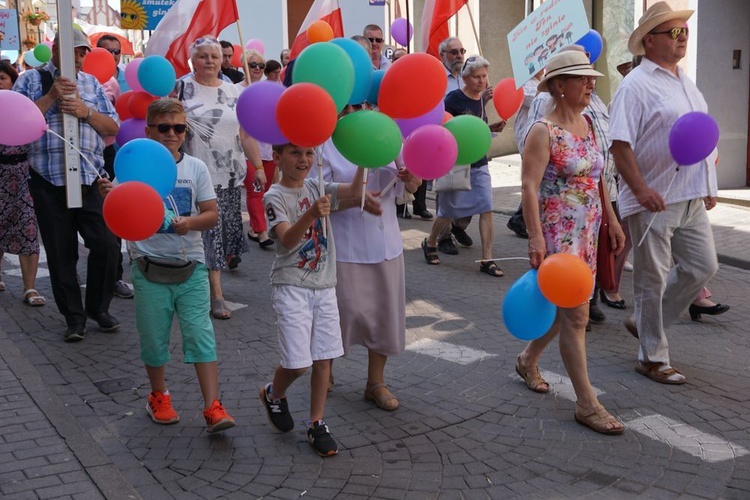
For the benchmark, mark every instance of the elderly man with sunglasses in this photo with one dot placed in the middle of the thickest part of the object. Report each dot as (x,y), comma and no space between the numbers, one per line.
(374,34)
(672,201)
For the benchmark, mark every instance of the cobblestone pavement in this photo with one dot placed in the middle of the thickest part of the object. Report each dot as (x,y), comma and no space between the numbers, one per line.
(73,423)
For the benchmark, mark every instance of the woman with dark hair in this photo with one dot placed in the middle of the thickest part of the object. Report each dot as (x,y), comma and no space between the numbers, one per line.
(18,226)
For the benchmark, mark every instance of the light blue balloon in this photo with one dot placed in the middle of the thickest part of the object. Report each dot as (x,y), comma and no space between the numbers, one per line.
(362,68)
(156,75)
(377,77)
(526,313)
(32,61)
(147,161)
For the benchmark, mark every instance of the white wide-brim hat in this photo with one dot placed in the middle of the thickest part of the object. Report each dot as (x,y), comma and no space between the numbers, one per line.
(658,13)
(570,62)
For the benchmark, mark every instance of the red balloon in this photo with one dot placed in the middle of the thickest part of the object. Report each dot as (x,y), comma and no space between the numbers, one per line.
(306,115)
(99,63)
(446,117)
(507,98)
(412,86)
(121,105)
(237,56)
(133,211)
(565,280)
(138,104)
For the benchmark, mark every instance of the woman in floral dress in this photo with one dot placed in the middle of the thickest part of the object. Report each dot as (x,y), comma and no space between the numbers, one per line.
(560,196)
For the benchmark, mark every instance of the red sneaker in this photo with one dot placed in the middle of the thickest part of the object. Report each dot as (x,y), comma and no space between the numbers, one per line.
(217,418)
(159,408)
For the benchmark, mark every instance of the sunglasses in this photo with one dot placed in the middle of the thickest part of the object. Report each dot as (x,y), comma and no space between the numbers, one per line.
(455,52)
(114,52)
(206,40)
(373,40)
(163,128)
(469,60)
(674,33)
(257,65)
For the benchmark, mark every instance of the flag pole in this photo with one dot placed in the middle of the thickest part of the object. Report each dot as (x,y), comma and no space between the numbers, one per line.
(408,27)
(474,28)
(242,44)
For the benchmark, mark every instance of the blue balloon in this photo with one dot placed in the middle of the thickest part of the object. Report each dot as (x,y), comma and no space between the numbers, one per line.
(156,75)
(362,68)
(592,42)
(526,313)
(147,161)
(377,77)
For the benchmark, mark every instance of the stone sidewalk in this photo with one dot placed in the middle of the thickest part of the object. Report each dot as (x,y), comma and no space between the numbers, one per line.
(73,423)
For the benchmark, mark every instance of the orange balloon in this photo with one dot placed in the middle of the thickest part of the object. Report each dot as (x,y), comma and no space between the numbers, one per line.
(319,31)
(565,280)
(99,63)
(133,211)
(446,117)
(507,98)
(138,104)
(121,105)
(306,114)
(412,86)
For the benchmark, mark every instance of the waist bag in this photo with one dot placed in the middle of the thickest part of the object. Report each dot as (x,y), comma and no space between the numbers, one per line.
(165,271)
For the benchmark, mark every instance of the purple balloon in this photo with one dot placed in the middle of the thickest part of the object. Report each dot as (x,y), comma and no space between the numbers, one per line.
(402,31)
(132,128)
(409,125)
(256,111)
(693,137)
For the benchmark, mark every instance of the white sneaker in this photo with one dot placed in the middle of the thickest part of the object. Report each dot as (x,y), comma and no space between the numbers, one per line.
(628,267)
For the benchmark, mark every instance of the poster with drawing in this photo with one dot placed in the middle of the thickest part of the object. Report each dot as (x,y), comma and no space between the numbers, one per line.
(9,39)
(553,25)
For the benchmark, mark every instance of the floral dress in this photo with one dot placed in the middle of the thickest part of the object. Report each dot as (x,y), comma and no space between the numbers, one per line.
(569,203)
(18,226)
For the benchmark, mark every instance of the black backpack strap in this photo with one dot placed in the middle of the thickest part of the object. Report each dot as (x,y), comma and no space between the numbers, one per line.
(47,80)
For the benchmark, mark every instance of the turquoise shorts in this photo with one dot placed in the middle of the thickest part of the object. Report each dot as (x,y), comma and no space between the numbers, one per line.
(155,307)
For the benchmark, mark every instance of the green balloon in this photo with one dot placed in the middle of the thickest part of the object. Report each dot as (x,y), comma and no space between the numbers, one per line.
(42,53)
(326,65)
(473,137)
(367,138)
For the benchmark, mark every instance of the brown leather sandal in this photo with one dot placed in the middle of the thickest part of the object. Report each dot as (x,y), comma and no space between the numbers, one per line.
(599,420)
(383,399)
(532,377)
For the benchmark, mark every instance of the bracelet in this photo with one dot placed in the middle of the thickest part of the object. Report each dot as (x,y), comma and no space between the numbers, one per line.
(87,116)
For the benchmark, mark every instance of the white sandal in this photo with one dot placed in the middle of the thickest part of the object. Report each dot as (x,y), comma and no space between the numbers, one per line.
(33,300)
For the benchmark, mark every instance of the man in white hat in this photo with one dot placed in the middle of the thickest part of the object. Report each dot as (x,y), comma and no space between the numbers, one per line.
(646,105)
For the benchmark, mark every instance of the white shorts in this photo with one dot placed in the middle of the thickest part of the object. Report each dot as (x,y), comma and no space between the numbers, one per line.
(308,322)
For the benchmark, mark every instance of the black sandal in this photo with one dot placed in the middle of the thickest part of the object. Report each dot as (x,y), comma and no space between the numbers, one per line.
(430,254)
(489,267)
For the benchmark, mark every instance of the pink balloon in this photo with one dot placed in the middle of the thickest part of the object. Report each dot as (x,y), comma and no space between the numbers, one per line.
(131,74)
(430,151)
(48,44)
(255,44)
(27,123)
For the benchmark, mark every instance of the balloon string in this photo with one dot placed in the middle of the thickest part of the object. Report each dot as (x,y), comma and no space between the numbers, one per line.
(364,190)
(504,258)
(79,152)
(388,187)
(653,218)
(322,187)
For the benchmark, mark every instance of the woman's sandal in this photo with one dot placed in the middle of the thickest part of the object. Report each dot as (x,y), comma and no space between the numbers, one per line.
(383,399)
(430,254)
(491,268)
(32,298)
(233,261)
(599,419)
(219,309)
(532,377)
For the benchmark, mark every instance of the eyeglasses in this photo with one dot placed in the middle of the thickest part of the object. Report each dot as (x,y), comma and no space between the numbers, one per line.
(373,40)
(584,79)
(163,128)
(674,33)
(257,65)
(114,52)
(455,52)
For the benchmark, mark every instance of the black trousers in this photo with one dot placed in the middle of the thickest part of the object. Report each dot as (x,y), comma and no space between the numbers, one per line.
(419,205)
(109,154)
(59,227)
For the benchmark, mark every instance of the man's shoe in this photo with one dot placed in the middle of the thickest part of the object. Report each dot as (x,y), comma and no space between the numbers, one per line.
(159,408)
(75,333)
(321,440)
(518,228)
(595,314)
(106,322)
(426,215)
(461,237)
(277,410)
(217,418)
(402,212)
(122,290)
(447,246)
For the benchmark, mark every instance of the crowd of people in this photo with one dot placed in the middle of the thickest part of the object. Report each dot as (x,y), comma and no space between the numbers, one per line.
(580,160)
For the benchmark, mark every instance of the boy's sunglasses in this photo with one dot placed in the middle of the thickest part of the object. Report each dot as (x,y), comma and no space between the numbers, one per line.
(674,33)
(163,128)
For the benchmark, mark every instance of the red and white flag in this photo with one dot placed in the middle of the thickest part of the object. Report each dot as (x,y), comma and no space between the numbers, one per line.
(321,10)
(435,22)
(186,21)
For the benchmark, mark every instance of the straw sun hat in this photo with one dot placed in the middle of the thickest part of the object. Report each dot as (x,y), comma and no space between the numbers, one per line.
(658,13)
(570,62)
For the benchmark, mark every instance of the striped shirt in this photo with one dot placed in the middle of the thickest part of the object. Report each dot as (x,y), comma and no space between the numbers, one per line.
(47,154)
(521,125)
(645,106)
